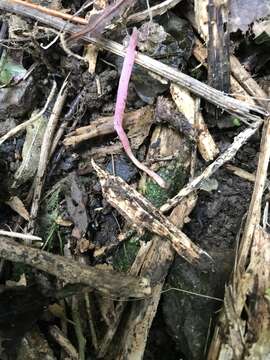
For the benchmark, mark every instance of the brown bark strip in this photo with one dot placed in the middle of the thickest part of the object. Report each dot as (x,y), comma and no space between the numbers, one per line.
(218,45)
(141,213)
(109,282)
(104,125)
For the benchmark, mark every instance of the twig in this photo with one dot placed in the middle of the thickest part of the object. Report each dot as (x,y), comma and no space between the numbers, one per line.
(247,82)
(61,339)
(156,10)
(45,152)
(243,174)
(70,271)
(24,125)
(51,12)
(239,108)
(17,235)
(104,18)
(238,142)
(3,33)
(254,212)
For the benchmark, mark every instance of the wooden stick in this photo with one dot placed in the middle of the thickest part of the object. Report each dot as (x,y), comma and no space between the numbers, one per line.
(70,271)
(156,10)
(52,12)
(233,106)
(254,212)
(238,142)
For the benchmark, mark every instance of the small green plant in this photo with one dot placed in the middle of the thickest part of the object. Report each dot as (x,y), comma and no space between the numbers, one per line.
(48,228)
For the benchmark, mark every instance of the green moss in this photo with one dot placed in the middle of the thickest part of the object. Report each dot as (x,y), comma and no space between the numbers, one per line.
(47,219)
(173,175)
(126,254)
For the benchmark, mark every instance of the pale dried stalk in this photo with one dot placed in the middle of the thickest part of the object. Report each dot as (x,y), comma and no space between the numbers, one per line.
(236,107)
(22,236)
(254,212)
(45,152)
(238,142)
(243,174)
(156,10)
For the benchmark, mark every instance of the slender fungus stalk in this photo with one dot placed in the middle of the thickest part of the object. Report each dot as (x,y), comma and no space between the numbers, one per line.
(121,104)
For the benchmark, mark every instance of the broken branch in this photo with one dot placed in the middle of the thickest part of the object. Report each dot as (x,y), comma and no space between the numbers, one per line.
(70,271)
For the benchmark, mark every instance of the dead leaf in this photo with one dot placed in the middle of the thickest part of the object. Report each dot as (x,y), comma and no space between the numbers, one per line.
(17,205)
(31,151)
(76,199)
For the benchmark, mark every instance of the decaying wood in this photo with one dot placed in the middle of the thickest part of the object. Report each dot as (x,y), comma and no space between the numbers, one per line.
(250,278)
(153,260)
(228,154)
(156,266)
(242,82)
(201,17)
(141,118)
(187,105)
(218,45)
(239,108)
(65,344)
(200,53)
(158,258)
(141,213)
(254,212)
(247,338)
(16,204)
(120,307)
(108,282)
